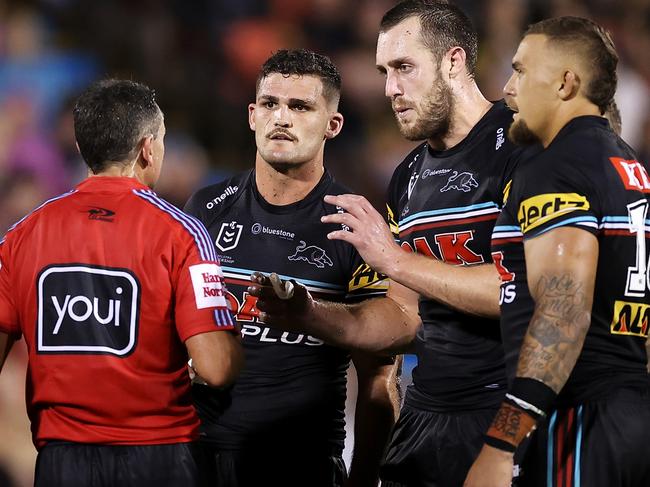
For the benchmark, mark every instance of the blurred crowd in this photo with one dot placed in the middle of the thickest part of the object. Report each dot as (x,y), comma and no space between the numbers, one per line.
(202,58)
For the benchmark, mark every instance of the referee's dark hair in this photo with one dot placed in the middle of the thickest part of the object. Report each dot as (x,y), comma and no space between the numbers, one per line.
(110,120)
(596,48)
(443,26)
(303,62)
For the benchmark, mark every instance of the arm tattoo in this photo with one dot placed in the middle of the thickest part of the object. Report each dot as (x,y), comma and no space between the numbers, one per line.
(556,331)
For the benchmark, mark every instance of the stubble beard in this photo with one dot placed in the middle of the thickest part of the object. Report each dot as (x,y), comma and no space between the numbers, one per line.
(521,134)
(435,121)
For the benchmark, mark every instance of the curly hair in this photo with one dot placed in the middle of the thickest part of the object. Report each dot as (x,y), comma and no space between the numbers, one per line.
(304,62)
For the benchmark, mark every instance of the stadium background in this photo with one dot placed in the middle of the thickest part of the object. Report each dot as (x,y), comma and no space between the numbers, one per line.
(202,57)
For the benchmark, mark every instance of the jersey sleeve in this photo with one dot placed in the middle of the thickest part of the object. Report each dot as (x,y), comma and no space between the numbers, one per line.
(8,313)
(553,192)
(200,298)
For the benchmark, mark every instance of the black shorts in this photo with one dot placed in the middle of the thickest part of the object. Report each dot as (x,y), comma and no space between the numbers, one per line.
(62,464)
(602,443)
(430,449)
(270,468)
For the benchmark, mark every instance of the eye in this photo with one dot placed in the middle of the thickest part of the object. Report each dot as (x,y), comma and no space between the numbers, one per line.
(269,104)
(405,68)
(300,108)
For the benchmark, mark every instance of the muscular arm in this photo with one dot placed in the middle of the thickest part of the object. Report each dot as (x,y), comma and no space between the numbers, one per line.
(561,272)
(217,357)
(6,342)
(470,289)
(376,410)
(386,325)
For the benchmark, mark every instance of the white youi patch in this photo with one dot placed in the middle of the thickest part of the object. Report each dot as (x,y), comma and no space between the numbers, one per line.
(208,290)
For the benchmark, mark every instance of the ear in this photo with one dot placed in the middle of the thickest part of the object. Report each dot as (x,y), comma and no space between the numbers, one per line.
(251,116)
(570,85)
(146,152)
(334,125)
(456,59)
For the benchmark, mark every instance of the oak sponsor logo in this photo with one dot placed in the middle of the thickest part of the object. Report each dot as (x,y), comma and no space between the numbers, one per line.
(87,309)
(229,191)
(508,290)
(543,208)
(252,328)
(207,280)
(630,319)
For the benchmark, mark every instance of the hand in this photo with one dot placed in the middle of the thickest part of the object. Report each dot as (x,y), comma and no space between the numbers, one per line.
(492,468)
(369,233)
(281,303)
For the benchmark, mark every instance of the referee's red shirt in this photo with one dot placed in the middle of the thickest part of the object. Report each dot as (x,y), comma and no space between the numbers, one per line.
(106,282)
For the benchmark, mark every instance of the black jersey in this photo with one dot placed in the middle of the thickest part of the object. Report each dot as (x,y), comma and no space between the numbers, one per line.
(292,389)
(587,178)
(444,204)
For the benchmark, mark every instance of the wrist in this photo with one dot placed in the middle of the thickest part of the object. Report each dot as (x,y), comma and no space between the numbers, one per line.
(527,401)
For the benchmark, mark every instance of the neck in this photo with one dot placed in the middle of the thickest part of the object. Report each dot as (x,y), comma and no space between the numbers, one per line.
(290,186)
(116,170)
(469,107)
(564,114)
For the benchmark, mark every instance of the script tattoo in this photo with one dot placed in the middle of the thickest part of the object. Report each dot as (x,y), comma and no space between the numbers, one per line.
(556,331)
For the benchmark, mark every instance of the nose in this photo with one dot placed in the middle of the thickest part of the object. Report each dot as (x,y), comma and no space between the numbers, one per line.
(509,88)
(393,87)
(282,116)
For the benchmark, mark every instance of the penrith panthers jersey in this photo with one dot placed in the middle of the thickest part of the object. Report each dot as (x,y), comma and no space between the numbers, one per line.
(587,178)
(443,204)
(293,386)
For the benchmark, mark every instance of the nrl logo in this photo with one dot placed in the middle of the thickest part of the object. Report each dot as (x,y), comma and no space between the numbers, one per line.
(228,237)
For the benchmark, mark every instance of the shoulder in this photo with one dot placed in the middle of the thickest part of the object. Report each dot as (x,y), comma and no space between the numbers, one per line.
(211,198)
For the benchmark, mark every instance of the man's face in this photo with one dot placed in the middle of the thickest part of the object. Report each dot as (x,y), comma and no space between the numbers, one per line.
(421,99)
(291,119)
(531,90)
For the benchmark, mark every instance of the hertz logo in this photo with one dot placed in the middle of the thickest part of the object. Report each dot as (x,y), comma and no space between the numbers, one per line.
(543,208)
(630,319)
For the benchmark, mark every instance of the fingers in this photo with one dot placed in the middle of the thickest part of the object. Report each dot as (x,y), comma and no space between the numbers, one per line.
(354,204)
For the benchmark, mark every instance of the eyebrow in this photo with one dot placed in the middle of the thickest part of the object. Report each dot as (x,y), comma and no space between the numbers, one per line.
(292,101)
(394,63)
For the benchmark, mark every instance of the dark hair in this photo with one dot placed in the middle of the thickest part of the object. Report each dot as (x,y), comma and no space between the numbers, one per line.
(594,45)
(442,25)
(304,62)
(110,119)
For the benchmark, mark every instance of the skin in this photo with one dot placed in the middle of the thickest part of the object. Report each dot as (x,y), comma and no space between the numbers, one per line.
(561,264)
(292,119)
(389,324)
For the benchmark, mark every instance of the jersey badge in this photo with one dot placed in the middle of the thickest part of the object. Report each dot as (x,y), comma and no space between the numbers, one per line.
(312,255)
(228,236)
(463,181)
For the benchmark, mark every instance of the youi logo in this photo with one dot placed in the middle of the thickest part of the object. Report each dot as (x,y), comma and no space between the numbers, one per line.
(87,309)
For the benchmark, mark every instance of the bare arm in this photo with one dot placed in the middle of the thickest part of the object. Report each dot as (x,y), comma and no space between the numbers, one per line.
(217,357)
(376,411)
(561,272)
(387,324)
(6,342)
(470,289)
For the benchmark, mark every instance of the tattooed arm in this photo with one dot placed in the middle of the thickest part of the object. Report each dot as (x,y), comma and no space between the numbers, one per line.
(561,273)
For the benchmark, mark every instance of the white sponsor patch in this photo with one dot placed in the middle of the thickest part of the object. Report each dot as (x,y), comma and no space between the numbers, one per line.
(208,291)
